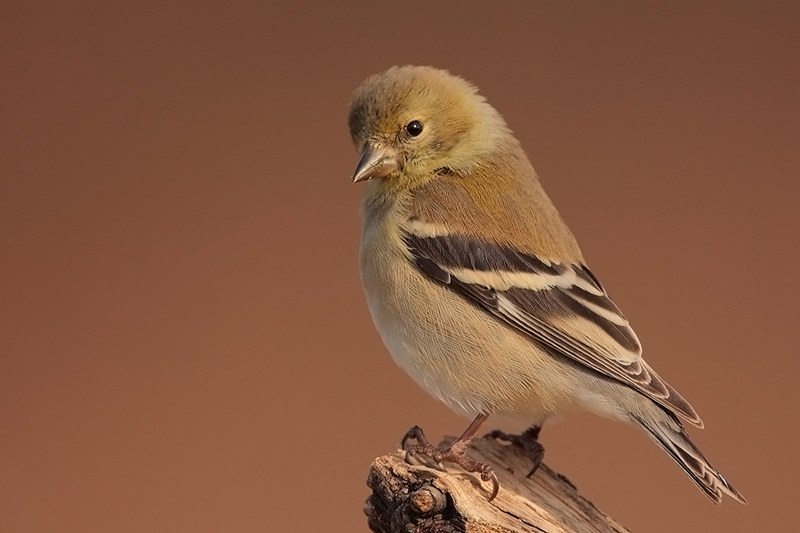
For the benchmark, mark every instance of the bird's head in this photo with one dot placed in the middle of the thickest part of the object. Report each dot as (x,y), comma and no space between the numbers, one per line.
(411,123)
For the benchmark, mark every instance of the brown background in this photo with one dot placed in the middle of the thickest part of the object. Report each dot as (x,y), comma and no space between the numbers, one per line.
(185,345)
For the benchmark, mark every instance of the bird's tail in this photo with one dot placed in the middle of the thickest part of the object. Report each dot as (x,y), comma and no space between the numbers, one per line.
(677,444)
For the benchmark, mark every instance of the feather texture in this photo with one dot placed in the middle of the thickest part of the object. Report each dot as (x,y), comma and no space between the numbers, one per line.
(476,284)
(561,306)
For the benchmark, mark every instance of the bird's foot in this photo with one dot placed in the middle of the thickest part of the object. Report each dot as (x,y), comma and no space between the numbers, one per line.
(455,453)
(527,441)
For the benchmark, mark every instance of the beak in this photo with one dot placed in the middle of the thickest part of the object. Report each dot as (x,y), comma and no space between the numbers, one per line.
(375,162)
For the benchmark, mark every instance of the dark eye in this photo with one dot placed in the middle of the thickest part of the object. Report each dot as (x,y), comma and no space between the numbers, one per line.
(414,128)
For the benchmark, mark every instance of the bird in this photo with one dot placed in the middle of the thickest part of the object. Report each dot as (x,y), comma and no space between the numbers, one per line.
(478,288)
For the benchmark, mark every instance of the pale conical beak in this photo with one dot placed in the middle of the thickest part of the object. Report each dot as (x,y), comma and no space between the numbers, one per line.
(375,162)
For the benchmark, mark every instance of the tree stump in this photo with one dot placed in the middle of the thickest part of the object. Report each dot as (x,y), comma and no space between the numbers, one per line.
(426,498)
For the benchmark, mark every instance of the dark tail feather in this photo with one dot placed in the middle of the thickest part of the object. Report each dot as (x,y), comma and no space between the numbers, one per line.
(678,445)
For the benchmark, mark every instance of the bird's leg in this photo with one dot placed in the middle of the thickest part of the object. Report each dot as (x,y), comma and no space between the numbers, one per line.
(528,440)
(455,453)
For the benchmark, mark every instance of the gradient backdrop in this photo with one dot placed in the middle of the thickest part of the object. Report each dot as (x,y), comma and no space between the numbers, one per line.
(184,345)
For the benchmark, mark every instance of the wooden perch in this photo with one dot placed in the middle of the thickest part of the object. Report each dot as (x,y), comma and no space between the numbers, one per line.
(425,498)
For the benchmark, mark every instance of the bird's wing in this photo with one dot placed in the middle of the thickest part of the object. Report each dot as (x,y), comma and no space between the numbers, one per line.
(562,306)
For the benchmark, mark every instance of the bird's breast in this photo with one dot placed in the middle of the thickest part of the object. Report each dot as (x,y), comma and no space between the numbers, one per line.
(457,352)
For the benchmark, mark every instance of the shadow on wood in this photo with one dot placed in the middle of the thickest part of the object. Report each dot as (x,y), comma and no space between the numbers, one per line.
(425,498)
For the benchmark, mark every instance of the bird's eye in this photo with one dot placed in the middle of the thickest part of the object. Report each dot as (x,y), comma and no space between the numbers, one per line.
(414,128)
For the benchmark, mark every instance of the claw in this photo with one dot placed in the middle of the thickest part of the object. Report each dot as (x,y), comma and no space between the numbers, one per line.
(413,433)
(455,453)
(489,475)
(409,455)
(527,440)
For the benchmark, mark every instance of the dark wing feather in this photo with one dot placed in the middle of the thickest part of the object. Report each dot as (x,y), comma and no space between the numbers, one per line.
(546,308)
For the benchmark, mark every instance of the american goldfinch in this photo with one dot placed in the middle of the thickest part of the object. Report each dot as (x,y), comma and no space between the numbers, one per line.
(479,289)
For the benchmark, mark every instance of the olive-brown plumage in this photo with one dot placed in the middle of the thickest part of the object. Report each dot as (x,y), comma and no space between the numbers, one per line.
(477,286)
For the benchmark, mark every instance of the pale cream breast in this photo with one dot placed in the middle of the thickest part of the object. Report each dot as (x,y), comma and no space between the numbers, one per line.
(457,352)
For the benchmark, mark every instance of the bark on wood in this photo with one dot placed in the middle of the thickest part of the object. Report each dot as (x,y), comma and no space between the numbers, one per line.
(426,498)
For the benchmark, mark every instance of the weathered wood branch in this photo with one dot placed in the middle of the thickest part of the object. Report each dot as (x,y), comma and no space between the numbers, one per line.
(425,498)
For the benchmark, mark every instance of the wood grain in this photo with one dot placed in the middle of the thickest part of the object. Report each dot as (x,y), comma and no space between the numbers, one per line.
(423,497)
